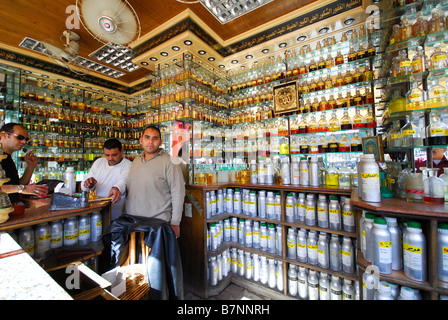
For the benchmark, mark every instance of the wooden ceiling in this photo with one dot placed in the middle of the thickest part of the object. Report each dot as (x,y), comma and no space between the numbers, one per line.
(44,20)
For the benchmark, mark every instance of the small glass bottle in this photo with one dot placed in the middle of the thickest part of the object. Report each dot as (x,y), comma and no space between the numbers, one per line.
(312,125)
(322,144)
(339,80)
(331,103)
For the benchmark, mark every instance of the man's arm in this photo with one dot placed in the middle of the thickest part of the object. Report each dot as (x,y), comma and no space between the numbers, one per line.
(177,187)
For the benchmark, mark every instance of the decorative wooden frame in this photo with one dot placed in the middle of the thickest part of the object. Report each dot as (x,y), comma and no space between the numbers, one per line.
(373,145)
(285,98)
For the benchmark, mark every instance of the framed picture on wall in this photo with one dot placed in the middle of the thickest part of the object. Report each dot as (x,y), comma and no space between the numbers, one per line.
(285,98)
(373,145)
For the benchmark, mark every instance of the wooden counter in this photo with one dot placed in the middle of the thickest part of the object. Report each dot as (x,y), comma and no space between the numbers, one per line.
(38,212)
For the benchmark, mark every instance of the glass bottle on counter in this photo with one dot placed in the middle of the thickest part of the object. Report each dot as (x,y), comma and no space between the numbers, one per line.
(436,131)
(436,94)
(444,177)
(411,135)
(434,187)
(322,124)
(420,26)
(331,177)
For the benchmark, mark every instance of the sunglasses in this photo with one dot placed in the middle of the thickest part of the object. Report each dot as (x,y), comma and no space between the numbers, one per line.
(19,136)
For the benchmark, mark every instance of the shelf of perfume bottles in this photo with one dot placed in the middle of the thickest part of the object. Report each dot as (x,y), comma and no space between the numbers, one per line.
(330,55)
(184,69)
(74,99)
(417,25)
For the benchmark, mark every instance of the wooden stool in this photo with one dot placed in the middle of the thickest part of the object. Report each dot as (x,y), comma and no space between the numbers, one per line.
(137,287)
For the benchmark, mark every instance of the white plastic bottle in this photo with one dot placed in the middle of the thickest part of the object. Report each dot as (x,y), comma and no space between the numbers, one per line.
(383,292)
(213,271)
(256,265)
(289,208)
(271,238)
(286,171)
(442,252)
(279,240)
(295,171)
(304,174)
(397,245)
(370,179)
(70,179)
(263,237)
(335,253)
(270,205)
(348,216)
(279,276)
(248,234)
(335,288)
(278,206)
(322,211)
(310,210)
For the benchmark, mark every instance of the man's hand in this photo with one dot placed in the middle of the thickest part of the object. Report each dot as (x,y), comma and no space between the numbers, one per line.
(90,182)
(176,230)
(115,194)
(31,159)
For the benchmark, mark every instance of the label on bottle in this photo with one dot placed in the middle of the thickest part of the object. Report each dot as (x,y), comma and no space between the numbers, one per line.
(396,136)
(439,57)
(408,132)
(415,96)
(405,63)
(385,251)
(437,132)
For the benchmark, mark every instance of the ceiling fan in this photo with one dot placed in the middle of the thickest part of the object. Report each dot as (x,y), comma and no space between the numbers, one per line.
(109,21)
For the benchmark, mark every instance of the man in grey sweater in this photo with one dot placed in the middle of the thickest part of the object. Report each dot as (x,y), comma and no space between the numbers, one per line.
(156,187)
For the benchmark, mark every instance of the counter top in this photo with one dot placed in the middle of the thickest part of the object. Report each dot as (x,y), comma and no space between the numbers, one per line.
(22,278)
(402,207)
(38,212)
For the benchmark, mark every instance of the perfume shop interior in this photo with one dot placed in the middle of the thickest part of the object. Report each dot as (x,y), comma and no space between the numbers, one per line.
(312,137)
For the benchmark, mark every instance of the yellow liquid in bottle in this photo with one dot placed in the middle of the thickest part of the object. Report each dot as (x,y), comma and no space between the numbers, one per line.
(331,179)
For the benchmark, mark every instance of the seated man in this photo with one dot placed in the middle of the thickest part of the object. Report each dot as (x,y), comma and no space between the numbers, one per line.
(439,160)
(109,175)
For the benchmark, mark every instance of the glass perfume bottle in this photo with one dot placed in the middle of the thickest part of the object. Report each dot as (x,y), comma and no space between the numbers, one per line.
(358,120)
(312,125)
(333,144)
(411,136)
(415,97)
(344,144)
(322,144)
(334,122)
(419,61)
(438,58)
(437,21)
(434,187)
(436,131)
(346,122)
(420,26)
(436,94)
(322,124)
(355,143)
(395,137)
(331,103)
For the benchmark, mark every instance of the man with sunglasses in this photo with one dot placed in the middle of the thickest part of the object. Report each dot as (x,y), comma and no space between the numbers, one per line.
(13,137)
